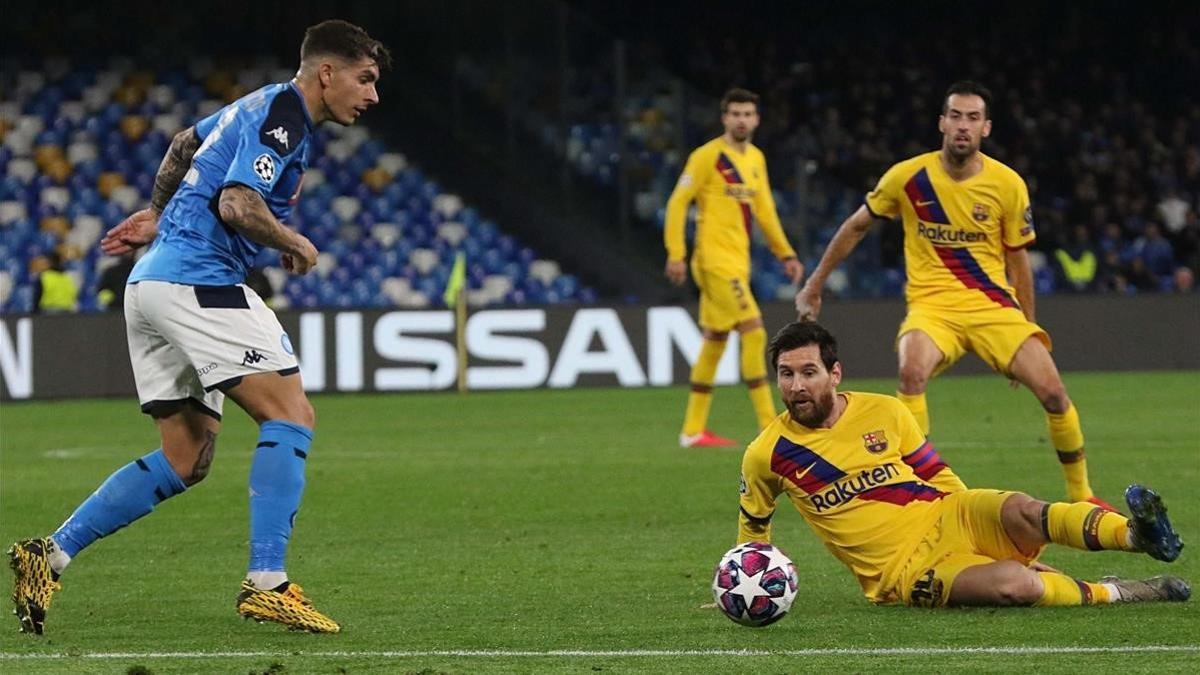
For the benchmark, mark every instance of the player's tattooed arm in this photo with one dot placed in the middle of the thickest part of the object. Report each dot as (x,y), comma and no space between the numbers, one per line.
(174,165)
(244,209)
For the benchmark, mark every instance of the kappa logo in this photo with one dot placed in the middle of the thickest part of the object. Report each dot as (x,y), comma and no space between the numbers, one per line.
(252,357)
(280,134)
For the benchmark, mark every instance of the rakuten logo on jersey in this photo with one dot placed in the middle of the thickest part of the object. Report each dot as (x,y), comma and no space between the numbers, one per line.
(846,489)
(944,235)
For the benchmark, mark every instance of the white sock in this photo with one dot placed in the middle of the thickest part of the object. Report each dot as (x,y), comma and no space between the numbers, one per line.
(57,557)
(1114,593)
(267,580)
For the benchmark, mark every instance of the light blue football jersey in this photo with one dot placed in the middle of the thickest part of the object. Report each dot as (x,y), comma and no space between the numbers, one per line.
(260,141)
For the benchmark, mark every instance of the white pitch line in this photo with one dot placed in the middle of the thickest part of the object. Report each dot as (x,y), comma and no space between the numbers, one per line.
(572,653)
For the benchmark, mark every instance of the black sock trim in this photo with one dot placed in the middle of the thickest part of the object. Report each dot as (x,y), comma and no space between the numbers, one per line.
(1046,521)
(755,519)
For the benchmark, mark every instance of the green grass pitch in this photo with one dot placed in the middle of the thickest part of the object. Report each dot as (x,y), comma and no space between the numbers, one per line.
(564,531)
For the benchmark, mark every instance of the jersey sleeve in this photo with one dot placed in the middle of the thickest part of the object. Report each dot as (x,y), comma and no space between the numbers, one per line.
(254,165)
(205,126)
(1018,217)
(918,452)
(768,219)
(695,172)
(267,144)
(759,489)
(884,200)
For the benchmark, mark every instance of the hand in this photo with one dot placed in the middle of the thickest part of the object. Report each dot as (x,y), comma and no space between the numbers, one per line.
(302,257)
(1039,566)
(794,269)
(131,234)
(808,303)
(676,271)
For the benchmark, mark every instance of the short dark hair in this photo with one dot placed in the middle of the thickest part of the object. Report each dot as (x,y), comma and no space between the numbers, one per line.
(738,95)
(342,38)
(969,88)
(801,334)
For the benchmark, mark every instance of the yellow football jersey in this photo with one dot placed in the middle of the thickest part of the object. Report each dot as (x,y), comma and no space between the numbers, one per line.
(867,486)
(731,191)
(955,232)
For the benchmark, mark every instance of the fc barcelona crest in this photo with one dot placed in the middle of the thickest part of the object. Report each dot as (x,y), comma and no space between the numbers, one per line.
(875,442)
(980,212)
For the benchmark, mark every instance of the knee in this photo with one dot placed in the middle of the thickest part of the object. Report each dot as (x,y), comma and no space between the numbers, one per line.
(913,379)
(1021,516)
(1054,399)
(716,335)
(1019,587)
(306,415)
(297,410)
(192,459)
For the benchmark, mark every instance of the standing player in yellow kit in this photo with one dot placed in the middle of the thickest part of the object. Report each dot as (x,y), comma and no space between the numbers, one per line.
(967,223)
(727,178)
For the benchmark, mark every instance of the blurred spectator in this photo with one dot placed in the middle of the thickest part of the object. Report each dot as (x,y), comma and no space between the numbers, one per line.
(110,292)
(1077,262)
(54,291)
(1156,252)
(1139,278)
(1185,280)
(1173,210)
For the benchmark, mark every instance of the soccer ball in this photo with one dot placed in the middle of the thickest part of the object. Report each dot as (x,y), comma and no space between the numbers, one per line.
(755,584)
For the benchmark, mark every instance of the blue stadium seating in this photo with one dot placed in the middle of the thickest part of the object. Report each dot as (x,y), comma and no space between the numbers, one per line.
(79,154)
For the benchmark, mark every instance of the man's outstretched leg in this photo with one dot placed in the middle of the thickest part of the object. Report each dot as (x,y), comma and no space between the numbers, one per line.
(1031,524)
(189,434)
(286,422)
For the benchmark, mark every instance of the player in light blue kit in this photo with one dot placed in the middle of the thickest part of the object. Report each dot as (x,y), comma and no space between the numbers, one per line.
(197,333)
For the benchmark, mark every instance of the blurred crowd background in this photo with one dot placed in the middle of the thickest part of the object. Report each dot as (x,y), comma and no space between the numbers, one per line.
(542,138)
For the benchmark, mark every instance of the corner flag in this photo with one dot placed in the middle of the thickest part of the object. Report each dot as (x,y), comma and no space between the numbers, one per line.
(458,275)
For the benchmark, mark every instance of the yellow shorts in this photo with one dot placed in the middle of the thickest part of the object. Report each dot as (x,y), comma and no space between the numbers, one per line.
(725,301)
(993,334)
(969,533)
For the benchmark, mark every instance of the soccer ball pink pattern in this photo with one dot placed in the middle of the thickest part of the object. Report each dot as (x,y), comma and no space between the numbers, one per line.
(755,584)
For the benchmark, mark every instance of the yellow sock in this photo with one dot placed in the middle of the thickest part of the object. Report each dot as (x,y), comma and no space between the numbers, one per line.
(916,405)
(1067,437)
(1085,526)
(754,373)
(763,401)
(1060,589)
(700,398)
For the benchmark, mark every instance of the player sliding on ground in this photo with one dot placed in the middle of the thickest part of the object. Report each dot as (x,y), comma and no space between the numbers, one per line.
(967,225)
(876,493)
(197,333)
